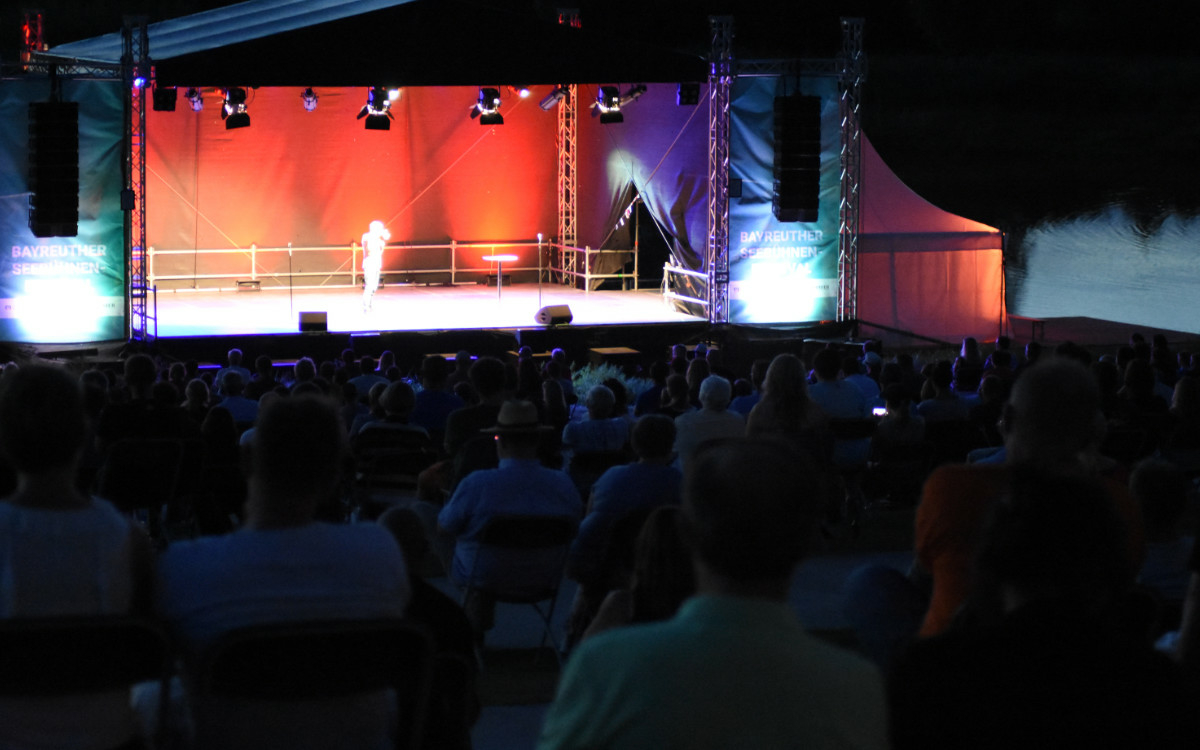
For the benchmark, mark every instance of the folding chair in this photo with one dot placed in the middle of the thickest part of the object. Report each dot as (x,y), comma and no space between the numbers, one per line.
(523,558)
(62,656)
(304,661)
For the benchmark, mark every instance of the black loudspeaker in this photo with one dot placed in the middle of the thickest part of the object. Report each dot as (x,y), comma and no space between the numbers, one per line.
(554,315)
(54,169)
(797,158)
(314,322)
(164,99)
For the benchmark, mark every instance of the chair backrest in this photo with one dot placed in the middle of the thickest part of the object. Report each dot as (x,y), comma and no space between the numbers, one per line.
(71,655)
(387,457)
(329,659)
(521,558)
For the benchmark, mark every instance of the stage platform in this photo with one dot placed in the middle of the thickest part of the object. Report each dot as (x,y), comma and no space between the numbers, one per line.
(186,313)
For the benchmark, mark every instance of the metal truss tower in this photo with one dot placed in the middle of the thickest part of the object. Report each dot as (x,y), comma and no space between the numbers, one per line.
(720,79)
(565,139)
(135,64)
(852,71)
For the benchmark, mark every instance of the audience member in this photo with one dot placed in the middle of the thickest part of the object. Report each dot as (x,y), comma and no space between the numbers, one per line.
(62,554)
(733,668)
(712,421)
(284,567)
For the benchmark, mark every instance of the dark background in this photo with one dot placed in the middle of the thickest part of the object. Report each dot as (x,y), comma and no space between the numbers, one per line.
(1010,113)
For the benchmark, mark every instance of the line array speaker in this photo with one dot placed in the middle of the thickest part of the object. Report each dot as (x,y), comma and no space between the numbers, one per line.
(797,158)
(54,169)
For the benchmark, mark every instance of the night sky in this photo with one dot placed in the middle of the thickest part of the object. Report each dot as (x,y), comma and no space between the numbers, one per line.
(1008,114)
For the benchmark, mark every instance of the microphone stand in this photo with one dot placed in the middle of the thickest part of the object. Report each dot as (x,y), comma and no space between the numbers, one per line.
(539,270)
(291,306)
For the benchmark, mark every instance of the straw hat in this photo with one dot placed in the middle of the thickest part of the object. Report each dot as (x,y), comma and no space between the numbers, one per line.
(517,417)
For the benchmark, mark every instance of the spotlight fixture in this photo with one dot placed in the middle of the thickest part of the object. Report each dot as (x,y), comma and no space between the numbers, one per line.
(377,110)
(309,97)
(632,94)
(487,109)
(608,105)
(194,98)
(164,99)
(234,110)
(553,98)
(521,91)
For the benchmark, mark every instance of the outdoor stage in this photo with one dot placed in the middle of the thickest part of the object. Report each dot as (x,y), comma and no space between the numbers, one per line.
(186,313)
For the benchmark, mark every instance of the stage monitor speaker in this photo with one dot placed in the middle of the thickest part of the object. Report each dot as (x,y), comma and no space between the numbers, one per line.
(54,169)
(314,322)
(554,315)
(797,193)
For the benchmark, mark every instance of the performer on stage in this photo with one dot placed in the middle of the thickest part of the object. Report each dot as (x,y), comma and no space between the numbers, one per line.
(373,242)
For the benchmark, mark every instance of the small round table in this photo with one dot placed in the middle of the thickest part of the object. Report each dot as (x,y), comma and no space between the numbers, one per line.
(499,260)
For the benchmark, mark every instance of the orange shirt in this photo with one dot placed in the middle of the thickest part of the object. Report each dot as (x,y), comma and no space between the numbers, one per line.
(954,508)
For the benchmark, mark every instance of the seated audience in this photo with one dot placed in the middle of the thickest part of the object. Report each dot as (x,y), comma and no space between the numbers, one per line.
(62,554)
(282,566)
(1044,654)
(712,421)
(733,668)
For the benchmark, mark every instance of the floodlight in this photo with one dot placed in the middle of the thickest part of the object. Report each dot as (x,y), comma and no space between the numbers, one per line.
(553,98)
(487,109)
(377,110)
(193,97)
(234,110)
(309,97)
(608,105)
(521,91)
(632,94)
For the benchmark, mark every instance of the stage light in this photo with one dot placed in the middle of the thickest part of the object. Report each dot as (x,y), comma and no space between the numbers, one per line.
(233,112)
(608,105)
(487,109)
(632,94)
(377,110)
(309,97)
(193,97)
(393,94)
(139,81)
(165,98)
(520,91)
(553,98)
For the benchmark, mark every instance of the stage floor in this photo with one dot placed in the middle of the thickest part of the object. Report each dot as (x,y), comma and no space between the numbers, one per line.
(402,308)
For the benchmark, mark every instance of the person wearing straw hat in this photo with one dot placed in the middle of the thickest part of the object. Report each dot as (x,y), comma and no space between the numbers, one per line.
(519,486)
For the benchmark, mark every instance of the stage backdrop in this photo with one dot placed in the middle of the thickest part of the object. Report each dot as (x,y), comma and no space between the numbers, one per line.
(780,272)
(63,289)
(319,178)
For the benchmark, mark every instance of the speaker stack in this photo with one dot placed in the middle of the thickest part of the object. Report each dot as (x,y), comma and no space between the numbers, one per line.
(54,169)
(797,158)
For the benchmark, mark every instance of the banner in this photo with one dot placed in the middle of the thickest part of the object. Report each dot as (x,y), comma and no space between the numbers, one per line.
(63,289)
(780,272)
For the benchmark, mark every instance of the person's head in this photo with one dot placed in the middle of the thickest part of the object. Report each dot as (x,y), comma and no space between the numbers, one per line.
(715,393)
(518,430)
(697,371)
(304,369)
(653,437)
(751,507)
(826,363)
(41,419)
(487,377)
(599,402)
(1054,537)
(969,349)
(140,373)
(233,384)
(942,375)
(659,371)
(898,400)
(434,372)
(1033,350)
(851,366)
(196,392)
(677,390)
(1052,415)
(377,229)
(620,395)
(1185,400)
(296,460)
(786,379)
(662,566)
(1139,379)
(375,397)
(758,372)
(264,366)
(366,364)
(234,356)
(398,399)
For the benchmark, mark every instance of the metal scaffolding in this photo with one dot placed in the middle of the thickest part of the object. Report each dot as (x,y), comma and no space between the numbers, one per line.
(720,79)
(850,78)
(565,139)
(135,64)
